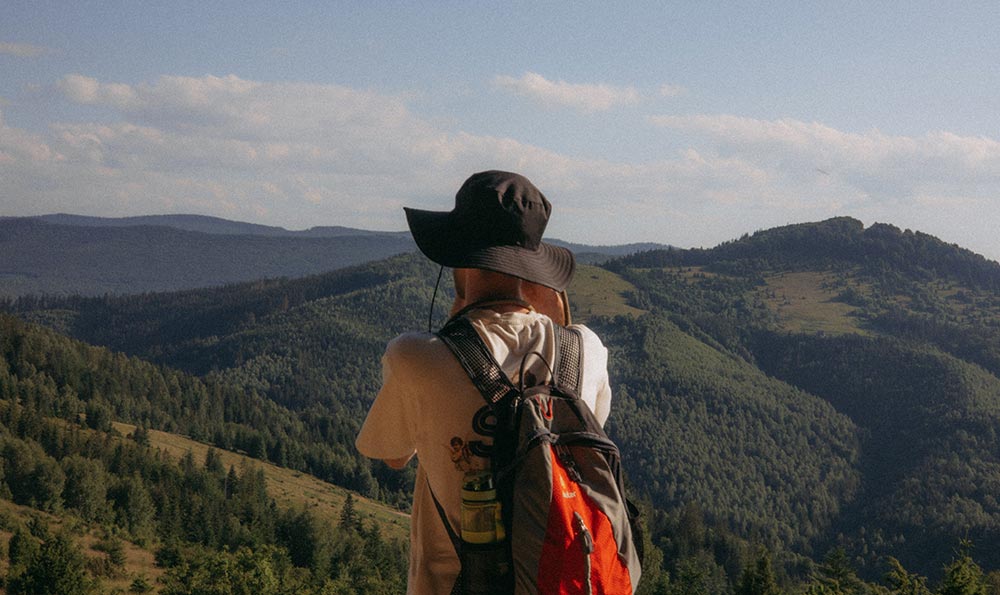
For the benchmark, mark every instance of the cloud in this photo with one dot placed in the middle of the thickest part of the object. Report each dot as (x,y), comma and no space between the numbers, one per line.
(298,155)
(939,182)
(877,165)
(18,145)
(586,98)
(23,50)
(308,154)
(305,154)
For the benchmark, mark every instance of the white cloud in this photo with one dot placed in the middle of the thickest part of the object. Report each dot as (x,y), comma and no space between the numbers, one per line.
(86,90)
(18,145)
(321,154)
(881,166)
(304,154)
(23,50)
(587,98)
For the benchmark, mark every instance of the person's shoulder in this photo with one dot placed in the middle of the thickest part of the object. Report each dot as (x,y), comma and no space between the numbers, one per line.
(414,346)
(589,336)
(411,341)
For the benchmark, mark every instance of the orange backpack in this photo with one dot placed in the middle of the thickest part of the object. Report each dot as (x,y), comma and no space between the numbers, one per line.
(568,525)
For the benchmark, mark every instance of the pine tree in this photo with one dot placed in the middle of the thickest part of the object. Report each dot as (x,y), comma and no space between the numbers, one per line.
(901,582)
(758,578)
(963,576)
(136,511)
(22,548)
(213,462)
(58,568)
(349,518)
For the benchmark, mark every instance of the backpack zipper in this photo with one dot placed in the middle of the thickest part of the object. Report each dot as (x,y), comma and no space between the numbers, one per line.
(586,541)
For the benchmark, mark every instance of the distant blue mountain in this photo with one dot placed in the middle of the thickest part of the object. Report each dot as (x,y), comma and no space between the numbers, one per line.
(65,254)
(206,224)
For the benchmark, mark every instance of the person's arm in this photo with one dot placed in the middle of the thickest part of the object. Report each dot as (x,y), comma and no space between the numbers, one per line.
(399,463)
(387,433)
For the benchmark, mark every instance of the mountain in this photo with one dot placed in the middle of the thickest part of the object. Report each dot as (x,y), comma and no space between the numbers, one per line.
(69,472)
(45,258)
(896,331)
(807,388)
(205,224)
(76,255)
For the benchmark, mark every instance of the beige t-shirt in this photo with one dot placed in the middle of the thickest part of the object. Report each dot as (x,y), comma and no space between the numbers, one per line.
(428,405)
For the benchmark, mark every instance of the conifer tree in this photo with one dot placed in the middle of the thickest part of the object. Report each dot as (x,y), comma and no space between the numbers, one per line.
(963,576)
(902,582)
(57,568)
(22,548)
(86,486)
(136,511)
(349,515)
(213,462)
(758,577)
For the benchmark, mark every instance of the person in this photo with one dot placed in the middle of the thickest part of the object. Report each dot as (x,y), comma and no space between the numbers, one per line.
(427,406)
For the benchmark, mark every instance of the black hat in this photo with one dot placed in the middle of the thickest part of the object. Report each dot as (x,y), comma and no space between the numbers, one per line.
(497,225)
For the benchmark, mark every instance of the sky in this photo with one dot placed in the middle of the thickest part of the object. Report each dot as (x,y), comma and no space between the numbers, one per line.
(684,123)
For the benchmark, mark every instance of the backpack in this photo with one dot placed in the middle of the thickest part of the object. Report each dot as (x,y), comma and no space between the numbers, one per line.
(558,477)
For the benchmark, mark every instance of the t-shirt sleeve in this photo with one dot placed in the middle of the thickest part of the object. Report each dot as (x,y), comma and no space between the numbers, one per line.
(389,431)
(595,367)
(603,403)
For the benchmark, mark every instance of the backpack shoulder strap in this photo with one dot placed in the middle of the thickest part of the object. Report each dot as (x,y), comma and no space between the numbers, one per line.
(569,359)
(484,371)
(477,360)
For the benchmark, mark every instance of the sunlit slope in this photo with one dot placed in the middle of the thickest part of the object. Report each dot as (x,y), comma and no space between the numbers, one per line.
(598,292)
(139,561)
(289,488)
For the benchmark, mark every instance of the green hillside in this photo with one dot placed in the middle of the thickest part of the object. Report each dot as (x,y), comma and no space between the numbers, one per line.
(289,488)
(698,425)
(895,330)
(77,482)
(827,391)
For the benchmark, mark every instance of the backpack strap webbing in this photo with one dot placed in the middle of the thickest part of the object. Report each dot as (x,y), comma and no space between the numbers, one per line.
(568,367)
(477,360)
(482,368)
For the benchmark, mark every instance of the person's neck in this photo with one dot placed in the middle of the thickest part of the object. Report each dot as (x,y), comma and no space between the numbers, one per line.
(500,304)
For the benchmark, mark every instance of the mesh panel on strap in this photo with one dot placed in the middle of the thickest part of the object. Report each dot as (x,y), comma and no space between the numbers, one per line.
(569,358)
(477,360)
(484,371)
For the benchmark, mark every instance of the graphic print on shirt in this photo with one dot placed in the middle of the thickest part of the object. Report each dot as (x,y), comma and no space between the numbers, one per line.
(474,454)
(461,455)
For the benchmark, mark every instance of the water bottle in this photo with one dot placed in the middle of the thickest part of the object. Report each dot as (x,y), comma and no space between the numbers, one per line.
(482,521)
(485,555)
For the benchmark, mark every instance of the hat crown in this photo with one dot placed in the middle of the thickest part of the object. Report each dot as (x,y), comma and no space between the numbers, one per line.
(497,225)
(502,209)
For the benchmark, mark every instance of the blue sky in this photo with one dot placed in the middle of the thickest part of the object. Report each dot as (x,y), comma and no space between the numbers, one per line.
(687,123)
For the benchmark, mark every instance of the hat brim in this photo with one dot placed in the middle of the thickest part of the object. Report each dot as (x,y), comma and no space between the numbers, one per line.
(440,239)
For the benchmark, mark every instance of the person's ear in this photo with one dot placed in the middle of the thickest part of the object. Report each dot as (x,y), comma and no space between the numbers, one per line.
(461,277)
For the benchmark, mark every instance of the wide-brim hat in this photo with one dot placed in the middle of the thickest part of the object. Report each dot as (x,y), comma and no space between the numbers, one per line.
(497,225)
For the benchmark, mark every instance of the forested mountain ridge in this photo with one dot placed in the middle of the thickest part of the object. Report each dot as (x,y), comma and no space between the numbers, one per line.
(37,257)
(782,387)
(879,249)
(896,330)
(93,256)
(205,224)
(210,529)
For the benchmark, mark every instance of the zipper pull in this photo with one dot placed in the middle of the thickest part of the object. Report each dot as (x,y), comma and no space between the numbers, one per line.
(583,534)
(587,545)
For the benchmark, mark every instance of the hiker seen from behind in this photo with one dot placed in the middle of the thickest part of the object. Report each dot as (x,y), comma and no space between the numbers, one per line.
(518,489)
